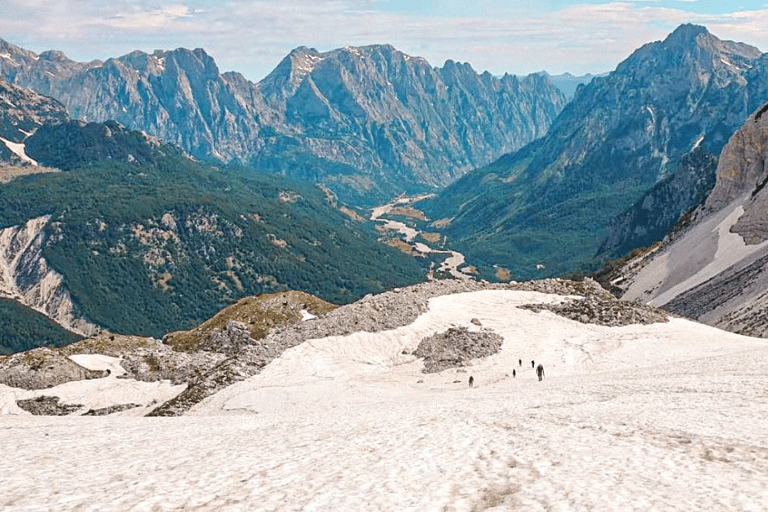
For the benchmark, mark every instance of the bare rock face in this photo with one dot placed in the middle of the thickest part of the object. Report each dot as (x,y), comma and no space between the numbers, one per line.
(389,121)
(741,169)
(23,110)
(742,172)
(727,233)
(26,276)
(47,406)
(456,347)
(554,201)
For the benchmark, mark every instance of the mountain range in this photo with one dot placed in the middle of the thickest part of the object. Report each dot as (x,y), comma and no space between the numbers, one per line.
(645,136)
(123,221)
(369,122)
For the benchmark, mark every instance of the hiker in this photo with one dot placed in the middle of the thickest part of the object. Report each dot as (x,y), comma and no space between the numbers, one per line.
(533,364)
(540,372)
(513,373)
(471,381)
(520,362)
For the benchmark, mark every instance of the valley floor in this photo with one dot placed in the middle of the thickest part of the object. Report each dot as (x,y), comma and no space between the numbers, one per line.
(662,417)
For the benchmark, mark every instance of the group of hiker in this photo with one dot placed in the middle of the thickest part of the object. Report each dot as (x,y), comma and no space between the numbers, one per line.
(539,372)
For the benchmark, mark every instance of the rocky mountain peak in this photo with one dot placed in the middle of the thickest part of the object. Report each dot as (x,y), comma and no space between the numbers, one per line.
(22,112)
(54,56)
(290,72)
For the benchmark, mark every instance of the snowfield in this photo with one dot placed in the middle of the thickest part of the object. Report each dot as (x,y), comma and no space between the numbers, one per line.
(662,417)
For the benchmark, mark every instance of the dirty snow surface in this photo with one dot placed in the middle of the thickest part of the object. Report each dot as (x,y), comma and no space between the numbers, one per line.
(669,416)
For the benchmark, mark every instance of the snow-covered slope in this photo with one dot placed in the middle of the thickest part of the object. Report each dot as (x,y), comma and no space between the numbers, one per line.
(667,416)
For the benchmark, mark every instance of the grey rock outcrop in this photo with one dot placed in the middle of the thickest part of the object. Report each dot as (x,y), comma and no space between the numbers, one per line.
(47,406)
(456,347)
(22,111)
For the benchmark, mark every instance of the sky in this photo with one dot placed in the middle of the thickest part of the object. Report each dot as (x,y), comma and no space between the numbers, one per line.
(576,36)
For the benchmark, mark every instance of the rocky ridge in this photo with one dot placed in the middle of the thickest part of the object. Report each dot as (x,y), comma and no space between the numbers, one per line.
(728,234)
(368,122)
(375,313)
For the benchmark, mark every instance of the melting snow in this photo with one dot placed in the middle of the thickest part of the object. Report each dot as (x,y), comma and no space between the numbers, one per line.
(306,315)
(661,417)
(18,149)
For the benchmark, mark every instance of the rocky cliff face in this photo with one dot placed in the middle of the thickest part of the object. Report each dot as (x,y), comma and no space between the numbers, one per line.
(652,216)
(26,277)
(715,269)
(22,112)
(368,122)
(552,202)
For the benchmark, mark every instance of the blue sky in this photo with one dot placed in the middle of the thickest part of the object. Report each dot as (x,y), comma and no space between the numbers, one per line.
(499,36)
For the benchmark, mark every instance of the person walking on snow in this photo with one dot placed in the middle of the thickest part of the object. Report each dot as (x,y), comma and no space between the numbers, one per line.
(540,372)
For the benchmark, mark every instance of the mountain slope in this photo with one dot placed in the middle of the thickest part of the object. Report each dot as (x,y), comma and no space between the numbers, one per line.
(368,122)
(716,268)
(136,237)
(356,409)
(552,202)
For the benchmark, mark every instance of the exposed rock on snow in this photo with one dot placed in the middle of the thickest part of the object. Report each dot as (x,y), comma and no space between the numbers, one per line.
(104,411)
(594,310)
(42,368)
(456,347)
(47,406)
(217,357)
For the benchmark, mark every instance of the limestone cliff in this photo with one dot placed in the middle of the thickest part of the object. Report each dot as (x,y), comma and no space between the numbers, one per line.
(26,277)
(715,268)
(368,122)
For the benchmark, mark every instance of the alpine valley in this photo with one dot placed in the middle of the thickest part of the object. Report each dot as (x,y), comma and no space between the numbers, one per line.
(632,152)
(328,273)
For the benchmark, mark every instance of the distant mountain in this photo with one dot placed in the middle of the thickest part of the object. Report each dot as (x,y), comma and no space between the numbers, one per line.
(136,237)
(568,83)
(548,208)
(715,267)
(367,122)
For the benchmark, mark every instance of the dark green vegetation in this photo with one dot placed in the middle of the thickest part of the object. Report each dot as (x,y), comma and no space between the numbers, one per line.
(621,163)
(23,328)
(150,241)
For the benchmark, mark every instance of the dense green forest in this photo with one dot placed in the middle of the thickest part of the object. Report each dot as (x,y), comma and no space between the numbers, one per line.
(150,241)
(23,328)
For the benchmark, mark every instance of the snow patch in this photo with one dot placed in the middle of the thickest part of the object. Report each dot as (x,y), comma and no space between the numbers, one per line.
(657,417)
(98,362)
(17,148)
